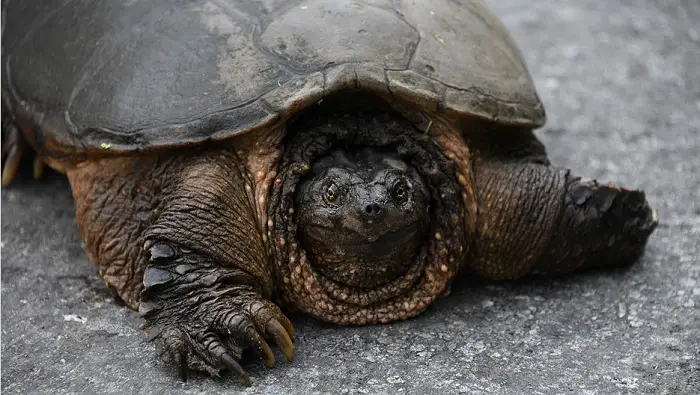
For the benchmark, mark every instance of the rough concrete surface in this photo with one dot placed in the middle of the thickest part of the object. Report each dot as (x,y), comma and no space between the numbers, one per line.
(621,83)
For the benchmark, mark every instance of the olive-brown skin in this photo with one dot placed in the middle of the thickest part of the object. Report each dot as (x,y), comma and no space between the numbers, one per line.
(185,156)
(160,225)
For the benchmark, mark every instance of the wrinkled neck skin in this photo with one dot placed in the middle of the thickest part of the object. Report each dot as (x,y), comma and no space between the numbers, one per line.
(367,219)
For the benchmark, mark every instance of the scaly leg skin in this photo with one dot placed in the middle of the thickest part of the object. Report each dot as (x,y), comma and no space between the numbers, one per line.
(14,147)
(176,236)
(207,314)
(538,219)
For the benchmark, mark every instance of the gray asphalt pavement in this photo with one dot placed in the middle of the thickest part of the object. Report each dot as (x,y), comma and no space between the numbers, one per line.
(621,83)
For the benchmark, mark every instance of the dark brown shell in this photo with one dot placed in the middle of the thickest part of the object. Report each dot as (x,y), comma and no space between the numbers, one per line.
(130,75)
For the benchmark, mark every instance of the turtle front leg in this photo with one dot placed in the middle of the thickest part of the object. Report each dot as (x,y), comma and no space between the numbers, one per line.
(176,236)
(538,219)
(205,314)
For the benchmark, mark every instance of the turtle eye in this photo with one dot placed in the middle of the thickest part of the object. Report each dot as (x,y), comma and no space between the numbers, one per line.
(331,193)
(400,192)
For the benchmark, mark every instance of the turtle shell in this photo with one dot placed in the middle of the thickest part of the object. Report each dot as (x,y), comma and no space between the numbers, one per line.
(130,75)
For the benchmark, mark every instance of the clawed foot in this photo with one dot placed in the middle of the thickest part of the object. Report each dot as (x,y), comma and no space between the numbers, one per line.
(205,317)
(14,148)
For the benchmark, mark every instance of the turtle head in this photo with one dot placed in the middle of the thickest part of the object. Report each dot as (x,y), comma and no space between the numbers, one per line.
(362,216)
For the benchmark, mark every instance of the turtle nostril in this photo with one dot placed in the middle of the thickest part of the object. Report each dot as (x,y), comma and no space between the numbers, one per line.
(373,210)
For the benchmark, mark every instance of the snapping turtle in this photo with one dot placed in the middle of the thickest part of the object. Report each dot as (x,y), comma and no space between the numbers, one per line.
(346,159)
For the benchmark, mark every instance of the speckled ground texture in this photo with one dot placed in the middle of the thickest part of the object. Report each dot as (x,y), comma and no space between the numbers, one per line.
(621,83)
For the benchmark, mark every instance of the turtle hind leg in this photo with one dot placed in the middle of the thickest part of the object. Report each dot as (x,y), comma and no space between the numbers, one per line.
(14,150)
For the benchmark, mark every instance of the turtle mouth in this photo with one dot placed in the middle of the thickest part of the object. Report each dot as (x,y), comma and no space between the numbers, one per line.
(363,238)
(362,261)
(364,297)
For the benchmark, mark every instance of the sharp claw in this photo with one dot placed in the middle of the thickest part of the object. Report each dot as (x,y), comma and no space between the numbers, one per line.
(279,334)
(38,167)
(287,326)
(260,347)
(181,362)
(234,367)
(9,170)
(266,354)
